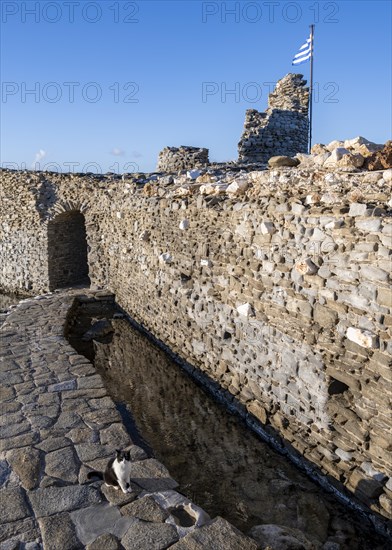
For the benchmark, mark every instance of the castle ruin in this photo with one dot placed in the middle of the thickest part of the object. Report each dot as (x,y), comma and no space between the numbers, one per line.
(283,128)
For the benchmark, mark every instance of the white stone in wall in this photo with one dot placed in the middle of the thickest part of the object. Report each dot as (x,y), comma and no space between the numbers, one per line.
(306,267)
(312,198)
(331,179)
(331,198)
(213,189)
(165,258)
(335,224)
(184,224)
(144,235)
(363,338)
(182,192)
(296,276)
(198,347)
(205,262)
(367,467)
(317,235)
(267,228)
(207,189)
(357,209)
(373,273)
(310,376)
(246,310)
(369,225)
(238,187)
(387,175)
(180,179)
(297,208)
(258,252)
(343,455)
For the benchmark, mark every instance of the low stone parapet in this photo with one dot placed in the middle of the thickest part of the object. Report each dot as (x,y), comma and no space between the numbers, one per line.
(175,159)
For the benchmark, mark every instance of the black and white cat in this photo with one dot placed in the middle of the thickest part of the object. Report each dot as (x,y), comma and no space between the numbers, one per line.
(117,473)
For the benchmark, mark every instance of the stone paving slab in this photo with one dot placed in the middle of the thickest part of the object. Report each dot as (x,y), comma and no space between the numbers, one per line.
(219,535)
(57,422)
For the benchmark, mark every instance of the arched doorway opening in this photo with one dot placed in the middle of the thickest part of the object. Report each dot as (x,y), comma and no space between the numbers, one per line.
(67,250)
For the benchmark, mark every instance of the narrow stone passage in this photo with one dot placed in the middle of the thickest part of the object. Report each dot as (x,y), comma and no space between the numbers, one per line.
(57,423)
(219,462)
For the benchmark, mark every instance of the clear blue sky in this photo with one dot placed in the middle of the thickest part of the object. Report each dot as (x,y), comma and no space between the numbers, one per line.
(147,63)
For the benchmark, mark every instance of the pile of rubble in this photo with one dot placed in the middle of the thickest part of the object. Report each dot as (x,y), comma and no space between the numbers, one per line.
(350,155)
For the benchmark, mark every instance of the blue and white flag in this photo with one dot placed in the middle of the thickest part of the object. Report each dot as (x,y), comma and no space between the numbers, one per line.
(304,53)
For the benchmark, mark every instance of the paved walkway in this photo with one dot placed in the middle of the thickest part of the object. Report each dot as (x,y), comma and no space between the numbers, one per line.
(57,422)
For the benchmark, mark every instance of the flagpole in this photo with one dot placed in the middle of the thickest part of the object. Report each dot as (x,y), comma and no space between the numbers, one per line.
(311,85)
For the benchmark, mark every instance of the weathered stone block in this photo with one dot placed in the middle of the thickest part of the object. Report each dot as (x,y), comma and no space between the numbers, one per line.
(281,537)
(107,542)
(373,273)
(53,500)
(306,267)
(267,228)
(58,531)
(246,310)
(363,338)
(146,509)
(365,486)
(358,209)
(14,504)
(384,296)
(386,504)
(25,462)
(94,521)
(154,536)
(324,316)
(219,535)
(258,411)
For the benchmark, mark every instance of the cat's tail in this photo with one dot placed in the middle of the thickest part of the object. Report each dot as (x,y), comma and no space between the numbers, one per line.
(94,473)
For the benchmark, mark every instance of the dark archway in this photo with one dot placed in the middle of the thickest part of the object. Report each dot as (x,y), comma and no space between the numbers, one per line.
(67,250)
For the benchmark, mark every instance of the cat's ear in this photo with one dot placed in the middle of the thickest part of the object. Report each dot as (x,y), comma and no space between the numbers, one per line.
(127,455)
(118,451)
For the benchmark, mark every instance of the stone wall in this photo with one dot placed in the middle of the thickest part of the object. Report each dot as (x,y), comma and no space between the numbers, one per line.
(275,283)
(283,128)
(174,159)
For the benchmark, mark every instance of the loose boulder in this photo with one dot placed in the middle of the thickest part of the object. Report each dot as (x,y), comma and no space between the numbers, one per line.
(279,161)
(381,160)
(280,537)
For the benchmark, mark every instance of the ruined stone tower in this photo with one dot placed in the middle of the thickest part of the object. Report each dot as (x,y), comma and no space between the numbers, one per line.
(283,128)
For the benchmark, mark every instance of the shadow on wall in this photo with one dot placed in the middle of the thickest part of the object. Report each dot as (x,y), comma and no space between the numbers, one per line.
(67,250)
(45,197)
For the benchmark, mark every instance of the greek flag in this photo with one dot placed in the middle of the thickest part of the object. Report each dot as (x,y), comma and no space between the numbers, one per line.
(304,53)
